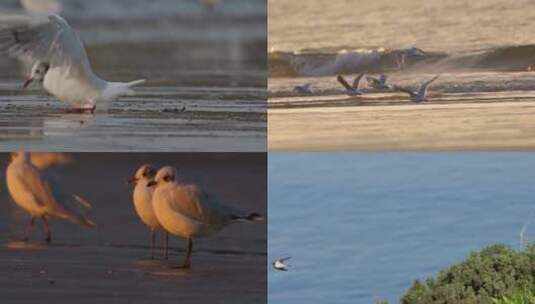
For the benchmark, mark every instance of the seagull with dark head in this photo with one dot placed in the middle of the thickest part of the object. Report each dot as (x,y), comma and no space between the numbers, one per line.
(58,60)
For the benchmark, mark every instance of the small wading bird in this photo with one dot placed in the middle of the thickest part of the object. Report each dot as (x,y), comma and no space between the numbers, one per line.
(419,95)
(186,211)
(351,90)
(58,60)
(378,83)
(142,197)
(303,89)
(280,264)
(34,192)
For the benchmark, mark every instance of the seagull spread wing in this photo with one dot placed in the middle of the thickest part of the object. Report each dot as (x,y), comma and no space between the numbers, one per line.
(342,81)
(44,194)
(423,87)
(285,259)
(32,38)
(356,82)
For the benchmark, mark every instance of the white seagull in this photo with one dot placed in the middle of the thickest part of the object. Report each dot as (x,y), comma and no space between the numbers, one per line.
(419,95)
(280,264)
(45,160)
(303,89)
(59,60)
(34,192)
(378,83)
(186,211)
(351,90)
(142,197)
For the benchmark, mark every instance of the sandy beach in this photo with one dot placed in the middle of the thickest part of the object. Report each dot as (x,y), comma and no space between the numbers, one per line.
(111,263)
(496,125)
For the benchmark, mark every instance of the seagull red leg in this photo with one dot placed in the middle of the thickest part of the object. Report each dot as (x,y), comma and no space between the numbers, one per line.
(29,230)
(187,261)
(47,230)
(152,243)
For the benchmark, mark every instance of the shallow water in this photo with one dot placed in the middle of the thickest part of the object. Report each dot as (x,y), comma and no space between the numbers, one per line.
(477,46)
(362,227)
(111,262)
(205,71)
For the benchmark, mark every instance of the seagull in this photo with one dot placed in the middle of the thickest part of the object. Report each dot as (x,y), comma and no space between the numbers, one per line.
(34,192)
(378,83)
(188,212)
(45,160)
(303,89)
(59,61)
(281,265)
(351,90)
(42,6)
(421,94)
(142,197)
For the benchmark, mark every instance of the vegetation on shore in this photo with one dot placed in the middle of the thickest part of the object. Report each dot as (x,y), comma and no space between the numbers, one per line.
(495,275)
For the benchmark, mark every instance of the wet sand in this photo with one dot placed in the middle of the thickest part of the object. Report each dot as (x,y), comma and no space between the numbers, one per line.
(496,124)
(203,96)
(111,263)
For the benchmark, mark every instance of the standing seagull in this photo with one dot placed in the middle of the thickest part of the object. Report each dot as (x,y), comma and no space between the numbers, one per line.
(143,203)
(421,94)
(58,60)
(32,191)
(280,264)
(378,83)
(186,211)
(351,90)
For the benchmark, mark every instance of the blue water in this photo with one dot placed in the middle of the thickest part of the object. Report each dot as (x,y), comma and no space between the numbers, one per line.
(361,227)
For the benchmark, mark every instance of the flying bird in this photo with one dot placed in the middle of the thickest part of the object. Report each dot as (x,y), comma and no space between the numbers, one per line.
(38,195)
(142,198)
(354,89)
(378,83)
(421,94)
(187,211)
(280,264)
(58,61)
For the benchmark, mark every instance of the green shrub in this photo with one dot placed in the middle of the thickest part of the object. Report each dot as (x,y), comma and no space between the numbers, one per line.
(521,297)
(492,273)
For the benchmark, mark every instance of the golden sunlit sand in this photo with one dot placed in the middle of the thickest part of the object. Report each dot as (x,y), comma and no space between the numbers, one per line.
(111,263)
(425,127)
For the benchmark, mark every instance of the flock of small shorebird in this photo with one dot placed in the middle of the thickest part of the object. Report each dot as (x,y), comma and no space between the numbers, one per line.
(161,202)
(378,83)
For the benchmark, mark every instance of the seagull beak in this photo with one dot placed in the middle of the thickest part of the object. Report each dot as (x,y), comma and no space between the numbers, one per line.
(151,183)
(27,83)
(132,181)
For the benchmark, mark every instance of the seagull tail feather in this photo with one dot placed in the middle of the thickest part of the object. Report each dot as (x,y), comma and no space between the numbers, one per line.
(74,217)
(136,83)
